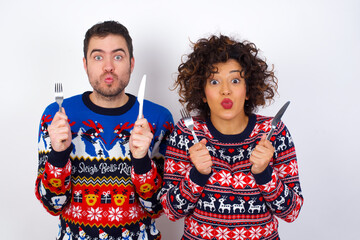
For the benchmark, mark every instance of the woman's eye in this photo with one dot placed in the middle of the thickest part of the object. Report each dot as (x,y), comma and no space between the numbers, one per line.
(97,58)
(235,80)
(118,57)
(214,82)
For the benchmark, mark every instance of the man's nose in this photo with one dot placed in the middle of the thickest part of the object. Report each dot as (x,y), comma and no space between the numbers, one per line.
(108,65)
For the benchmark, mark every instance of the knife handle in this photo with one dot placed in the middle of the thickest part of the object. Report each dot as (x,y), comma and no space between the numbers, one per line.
(270,134)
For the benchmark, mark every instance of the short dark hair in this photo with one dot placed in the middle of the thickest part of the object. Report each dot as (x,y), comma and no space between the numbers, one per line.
(103,29)
(261,83)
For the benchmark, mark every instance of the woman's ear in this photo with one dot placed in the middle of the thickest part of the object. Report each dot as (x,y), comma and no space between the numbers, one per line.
(204,99)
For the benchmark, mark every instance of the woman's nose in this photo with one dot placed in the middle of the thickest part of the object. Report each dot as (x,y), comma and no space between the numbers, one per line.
(225,89)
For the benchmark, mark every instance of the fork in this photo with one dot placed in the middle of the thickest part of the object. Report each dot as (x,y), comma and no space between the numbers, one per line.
(59,95)
(189,122)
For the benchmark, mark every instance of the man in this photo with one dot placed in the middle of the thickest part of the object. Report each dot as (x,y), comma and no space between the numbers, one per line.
(100,167)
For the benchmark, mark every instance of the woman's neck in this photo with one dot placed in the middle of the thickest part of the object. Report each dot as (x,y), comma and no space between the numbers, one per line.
(231,127)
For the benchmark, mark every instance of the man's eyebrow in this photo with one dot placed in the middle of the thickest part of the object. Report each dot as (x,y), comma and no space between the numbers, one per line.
(96,50)
(113,51)
(118,50)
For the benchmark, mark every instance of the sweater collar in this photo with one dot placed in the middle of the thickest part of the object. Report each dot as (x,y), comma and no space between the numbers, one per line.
(108,111)
(232,138)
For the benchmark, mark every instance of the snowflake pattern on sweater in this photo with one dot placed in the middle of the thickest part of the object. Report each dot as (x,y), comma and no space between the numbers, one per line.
(231,202)
(95,186)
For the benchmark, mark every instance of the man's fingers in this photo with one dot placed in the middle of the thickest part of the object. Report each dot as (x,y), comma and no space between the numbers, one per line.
(142,123)
(139,133)
(62,137)
(60,115)
(140,142)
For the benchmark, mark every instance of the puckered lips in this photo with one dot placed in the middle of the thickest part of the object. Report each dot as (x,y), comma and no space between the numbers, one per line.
(109,79)
(227,103)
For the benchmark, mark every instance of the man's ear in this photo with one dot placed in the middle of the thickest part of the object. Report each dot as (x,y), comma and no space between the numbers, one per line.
(85,64)
(132,64)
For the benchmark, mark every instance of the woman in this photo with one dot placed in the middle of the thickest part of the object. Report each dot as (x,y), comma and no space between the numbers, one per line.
(232,183)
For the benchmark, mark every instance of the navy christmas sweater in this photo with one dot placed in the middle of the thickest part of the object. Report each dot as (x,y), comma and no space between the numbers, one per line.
(231,202)
(96,188)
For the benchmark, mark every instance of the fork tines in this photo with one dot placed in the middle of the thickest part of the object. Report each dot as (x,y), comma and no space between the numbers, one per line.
(184,113)
(58,87)
(189,122)
(59,95)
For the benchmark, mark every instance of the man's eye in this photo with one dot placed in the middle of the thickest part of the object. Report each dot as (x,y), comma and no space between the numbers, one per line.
(118,57)
(97,58)
(214,82)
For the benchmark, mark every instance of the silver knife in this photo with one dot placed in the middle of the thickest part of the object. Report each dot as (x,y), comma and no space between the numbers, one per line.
(140,96)
(276,119)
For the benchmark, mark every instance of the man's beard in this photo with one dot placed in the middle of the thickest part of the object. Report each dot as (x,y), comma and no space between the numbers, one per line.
(109,91)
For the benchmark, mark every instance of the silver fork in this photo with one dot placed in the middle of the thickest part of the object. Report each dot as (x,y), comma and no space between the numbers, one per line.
(189,122)
(59,95)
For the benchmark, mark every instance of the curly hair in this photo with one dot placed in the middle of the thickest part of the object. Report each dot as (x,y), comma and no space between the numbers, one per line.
(261,83)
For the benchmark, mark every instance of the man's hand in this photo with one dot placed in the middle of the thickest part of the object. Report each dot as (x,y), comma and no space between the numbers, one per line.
(200,157)
(60,132)
(140,138)
(261,155)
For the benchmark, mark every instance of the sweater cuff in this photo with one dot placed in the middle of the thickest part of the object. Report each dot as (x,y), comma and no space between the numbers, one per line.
(141,165)
(264,177)
(198,178)
(59,159)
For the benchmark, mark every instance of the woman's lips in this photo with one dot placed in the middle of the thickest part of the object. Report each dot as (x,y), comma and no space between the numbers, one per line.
(226,103)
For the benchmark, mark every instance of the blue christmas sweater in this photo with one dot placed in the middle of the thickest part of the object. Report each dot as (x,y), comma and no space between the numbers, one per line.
(231,202)
(95,186)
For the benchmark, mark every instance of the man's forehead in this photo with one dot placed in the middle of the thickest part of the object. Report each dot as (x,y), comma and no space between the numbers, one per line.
(108,43)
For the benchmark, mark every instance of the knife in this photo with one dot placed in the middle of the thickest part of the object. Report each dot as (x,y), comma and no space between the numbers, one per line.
(140,96)
(276,119)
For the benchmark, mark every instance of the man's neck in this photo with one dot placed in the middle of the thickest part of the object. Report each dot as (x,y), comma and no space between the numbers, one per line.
(109,102)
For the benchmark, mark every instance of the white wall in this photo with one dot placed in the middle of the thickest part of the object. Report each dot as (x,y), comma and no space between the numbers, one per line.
(313,44)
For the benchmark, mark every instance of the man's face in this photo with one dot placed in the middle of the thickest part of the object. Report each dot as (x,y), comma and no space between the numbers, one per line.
(108,65)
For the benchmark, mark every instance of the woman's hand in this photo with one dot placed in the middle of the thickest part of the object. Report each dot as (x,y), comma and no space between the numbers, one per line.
(261,155)
(200,157)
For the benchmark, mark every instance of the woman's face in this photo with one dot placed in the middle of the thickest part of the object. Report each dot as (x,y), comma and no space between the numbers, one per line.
(225,92)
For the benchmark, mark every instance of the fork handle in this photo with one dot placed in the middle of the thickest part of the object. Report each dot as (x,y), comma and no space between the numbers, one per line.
(60,108)
(195,137)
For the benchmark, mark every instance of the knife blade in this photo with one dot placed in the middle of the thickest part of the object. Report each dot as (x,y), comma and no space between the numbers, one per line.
(276,119)
(140,96)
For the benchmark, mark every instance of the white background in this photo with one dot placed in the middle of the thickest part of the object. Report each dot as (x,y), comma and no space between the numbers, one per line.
(314,46)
